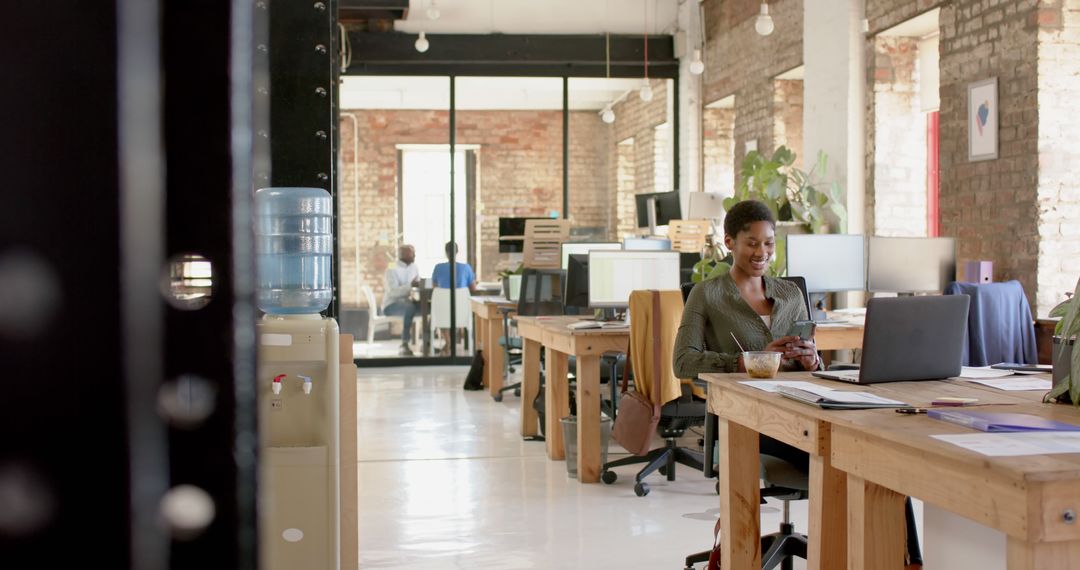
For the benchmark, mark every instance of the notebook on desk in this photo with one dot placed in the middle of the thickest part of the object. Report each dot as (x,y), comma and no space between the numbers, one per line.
(910,338)
(998,422)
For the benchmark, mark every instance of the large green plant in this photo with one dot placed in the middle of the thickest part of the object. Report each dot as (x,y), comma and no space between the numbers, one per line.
(1068,328)
(792,194)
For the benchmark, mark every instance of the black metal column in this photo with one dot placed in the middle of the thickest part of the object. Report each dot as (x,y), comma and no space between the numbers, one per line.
(566,148)
(123,409)
(453,237)
(210,351)
(303,119)
(675,135)
(64,425)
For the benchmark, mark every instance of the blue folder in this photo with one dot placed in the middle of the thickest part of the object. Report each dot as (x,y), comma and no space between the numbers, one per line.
(998,422)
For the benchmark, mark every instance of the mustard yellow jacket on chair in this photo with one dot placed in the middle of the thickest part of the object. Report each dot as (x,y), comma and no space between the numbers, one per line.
(667,387)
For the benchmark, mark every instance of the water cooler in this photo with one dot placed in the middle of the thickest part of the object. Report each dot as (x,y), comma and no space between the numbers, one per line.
(297,381)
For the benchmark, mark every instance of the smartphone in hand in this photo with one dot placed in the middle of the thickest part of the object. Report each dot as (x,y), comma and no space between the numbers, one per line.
(803,329)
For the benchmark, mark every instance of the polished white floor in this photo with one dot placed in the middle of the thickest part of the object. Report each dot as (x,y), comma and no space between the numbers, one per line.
(447,482)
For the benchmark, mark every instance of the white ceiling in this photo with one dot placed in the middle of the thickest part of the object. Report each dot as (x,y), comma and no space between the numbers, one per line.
(480,93)
(542,16)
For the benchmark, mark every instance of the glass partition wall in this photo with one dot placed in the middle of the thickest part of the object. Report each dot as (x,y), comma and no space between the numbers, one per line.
(432,161)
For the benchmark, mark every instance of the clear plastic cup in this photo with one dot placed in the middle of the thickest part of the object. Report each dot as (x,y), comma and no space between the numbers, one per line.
(762,364)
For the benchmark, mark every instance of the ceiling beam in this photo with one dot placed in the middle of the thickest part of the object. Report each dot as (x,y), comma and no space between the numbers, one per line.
(393,53)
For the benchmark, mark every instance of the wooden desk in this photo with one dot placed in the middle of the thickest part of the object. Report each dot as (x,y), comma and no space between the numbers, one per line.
(838,337)
(863,463)
(560,343)
(489,329)
(532,336)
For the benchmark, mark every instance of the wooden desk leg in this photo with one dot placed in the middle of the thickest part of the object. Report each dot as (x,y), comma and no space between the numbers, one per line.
(556,403)
(740,514)
(495,355)
(1043,555)
(530,386)
(876,528)
(588,414)
(828,516)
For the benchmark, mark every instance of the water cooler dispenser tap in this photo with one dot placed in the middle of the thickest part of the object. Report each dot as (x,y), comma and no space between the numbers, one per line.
(276,385)
(307,384)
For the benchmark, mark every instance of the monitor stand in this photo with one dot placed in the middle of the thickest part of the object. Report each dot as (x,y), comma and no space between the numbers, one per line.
(817,306)
(606,315)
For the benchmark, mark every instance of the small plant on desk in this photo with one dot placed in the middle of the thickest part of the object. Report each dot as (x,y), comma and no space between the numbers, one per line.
(1066,360)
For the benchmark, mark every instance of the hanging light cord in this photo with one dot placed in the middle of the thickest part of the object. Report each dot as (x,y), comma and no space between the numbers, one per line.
(646,3)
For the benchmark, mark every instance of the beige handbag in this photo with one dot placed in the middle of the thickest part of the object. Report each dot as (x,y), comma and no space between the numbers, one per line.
(638,416)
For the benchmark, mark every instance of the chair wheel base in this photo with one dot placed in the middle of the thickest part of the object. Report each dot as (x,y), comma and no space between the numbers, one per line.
(498,396)
(641,489)
(608,477)
(517,392)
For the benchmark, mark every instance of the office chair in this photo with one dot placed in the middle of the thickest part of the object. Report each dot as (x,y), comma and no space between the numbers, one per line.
(540,295)
(1000,325)
(786,482)
(676,416)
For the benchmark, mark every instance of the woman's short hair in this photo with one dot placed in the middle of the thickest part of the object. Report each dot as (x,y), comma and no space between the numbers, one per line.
(741,215)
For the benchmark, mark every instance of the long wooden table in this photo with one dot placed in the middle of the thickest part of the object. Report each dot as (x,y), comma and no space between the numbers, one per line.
(489,329)
(863,463)
(561,342)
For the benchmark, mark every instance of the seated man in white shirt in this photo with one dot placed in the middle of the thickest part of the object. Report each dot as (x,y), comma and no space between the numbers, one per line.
(399,281)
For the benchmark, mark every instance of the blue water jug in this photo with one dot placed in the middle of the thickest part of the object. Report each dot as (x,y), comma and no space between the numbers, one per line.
(293,248)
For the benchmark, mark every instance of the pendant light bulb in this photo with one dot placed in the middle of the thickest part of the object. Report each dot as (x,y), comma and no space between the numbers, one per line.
(697,67)
(422,43)
(646,92)
(607,115)
(764,23)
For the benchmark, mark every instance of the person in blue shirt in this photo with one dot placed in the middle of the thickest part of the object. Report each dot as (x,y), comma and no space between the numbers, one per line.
(463,277)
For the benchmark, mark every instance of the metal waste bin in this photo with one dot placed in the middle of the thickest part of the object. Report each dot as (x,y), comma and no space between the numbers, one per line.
(569,427)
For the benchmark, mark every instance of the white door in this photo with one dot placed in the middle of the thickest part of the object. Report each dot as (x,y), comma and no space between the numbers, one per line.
(425,204)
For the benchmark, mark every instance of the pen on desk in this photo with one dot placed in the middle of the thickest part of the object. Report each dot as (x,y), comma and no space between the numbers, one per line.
(911,410)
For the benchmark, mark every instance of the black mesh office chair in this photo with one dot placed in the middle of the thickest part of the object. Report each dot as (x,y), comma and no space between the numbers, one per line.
(540,295)
(676,417)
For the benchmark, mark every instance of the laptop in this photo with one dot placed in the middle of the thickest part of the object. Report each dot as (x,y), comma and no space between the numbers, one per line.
(910,338)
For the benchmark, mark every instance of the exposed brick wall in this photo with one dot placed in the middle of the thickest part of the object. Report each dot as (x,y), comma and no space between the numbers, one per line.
(884,14)
(636,119)
(1058,155)
(740,62)
(719,151)
(896,168)
(590,144)
(519,173)
(788,117)
(991,206)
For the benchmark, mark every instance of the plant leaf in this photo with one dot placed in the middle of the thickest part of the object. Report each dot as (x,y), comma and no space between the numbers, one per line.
(1060,309)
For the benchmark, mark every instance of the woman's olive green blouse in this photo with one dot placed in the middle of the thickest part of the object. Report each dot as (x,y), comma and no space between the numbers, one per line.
(715,310)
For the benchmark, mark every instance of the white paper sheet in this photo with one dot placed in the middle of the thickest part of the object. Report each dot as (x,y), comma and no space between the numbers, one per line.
(771,385)
(1015,444)
(824,392)
(980,372)
(1016,384)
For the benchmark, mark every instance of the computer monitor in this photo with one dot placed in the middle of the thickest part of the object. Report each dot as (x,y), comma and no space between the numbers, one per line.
(651,244)
(687,261)
(666,205)
(705,206)
(541,292)
(910,264)
(828,262)
(614,274)
(577,281)
(511,234)
(573,248)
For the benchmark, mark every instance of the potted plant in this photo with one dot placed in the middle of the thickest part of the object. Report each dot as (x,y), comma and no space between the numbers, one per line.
(511,278)
(795,197)
(1066,360)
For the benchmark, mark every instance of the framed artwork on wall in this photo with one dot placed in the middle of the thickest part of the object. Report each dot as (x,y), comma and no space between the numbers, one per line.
(983,120)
